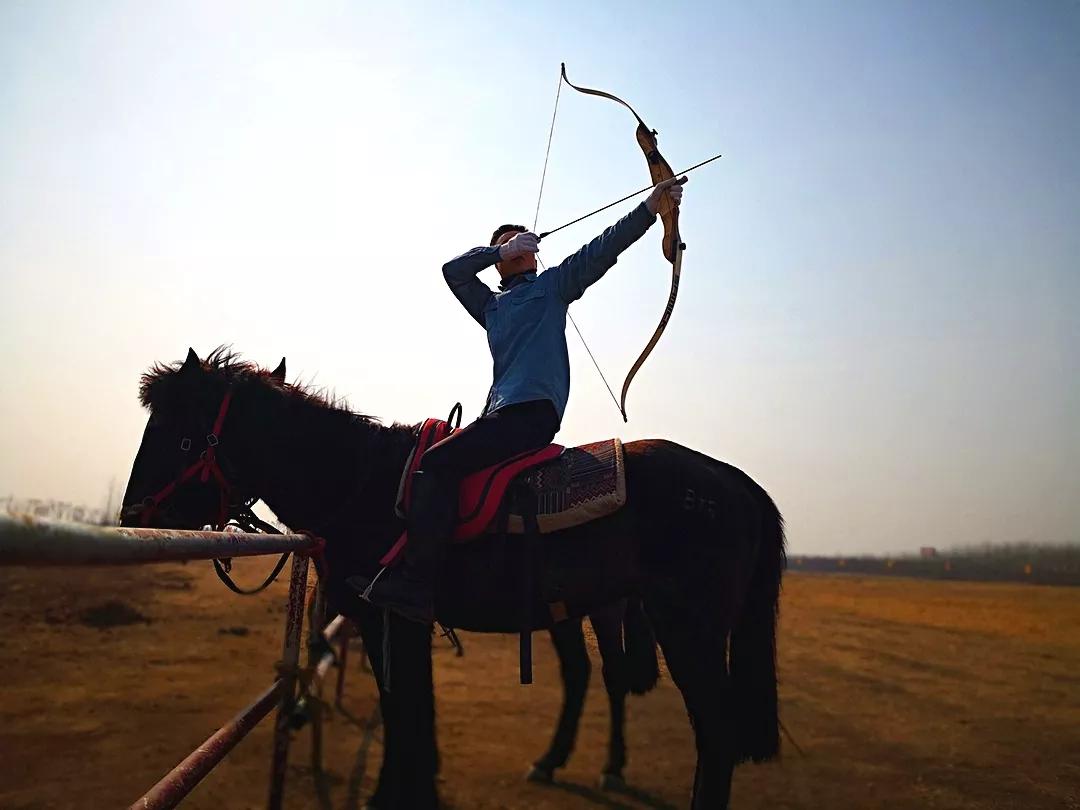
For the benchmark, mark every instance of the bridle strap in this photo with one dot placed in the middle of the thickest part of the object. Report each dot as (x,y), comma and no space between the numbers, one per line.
(209,456)
(206,466)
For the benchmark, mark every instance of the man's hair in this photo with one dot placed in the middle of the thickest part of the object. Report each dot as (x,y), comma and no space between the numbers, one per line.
(506,229)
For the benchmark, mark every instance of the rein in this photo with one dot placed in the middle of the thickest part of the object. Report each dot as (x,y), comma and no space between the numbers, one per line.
(248,521)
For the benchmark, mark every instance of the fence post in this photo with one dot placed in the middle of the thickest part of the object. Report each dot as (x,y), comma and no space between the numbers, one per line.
(290,658)
(316,625)
(343,658)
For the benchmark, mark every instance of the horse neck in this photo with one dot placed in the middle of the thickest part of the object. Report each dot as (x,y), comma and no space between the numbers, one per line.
(325,468)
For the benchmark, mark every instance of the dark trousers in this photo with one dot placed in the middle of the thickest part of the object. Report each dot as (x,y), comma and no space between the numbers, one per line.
(491,439)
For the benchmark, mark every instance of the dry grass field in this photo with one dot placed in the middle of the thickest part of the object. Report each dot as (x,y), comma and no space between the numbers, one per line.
(902,694)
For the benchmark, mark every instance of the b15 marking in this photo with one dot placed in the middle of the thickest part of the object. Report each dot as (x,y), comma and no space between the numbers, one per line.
(699,504)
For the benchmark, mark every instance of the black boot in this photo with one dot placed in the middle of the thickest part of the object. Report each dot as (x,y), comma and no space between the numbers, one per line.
(408,589)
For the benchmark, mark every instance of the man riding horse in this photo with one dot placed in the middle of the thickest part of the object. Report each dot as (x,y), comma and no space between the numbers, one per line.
(526,327)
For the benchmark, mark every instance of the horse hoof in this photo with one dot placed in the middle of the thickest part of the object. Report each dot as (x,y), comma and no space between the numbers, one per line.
(538,774)
(611,781)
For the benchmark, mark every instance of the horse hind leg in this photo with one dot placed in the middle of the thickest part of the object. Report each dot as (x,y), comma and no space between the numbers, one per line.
(607,623)
(696,659)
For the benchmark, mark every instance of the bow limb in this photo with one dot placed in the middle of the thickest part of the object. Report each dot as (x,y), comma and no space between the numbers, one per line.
(673,246)
(659,169)
(673,251)
(676,273)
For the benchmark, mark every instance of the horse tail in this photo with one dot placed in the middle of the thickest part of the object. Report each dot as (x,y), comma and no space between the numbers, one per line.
(642,668)
(752,655)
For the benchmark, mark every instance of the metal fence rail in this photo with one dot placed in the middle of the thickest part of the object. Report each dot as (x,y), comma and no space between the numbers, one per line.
(26,540)
(29,541)
(182,779)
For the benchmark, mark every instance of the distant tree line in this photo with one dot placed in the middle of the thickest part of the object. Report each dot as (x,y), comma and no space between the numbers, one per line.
(1043,564)
(60,510)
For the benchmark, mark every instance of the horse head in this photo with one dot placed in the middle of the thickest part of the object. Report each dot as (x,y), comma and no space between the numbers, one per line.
(199,455)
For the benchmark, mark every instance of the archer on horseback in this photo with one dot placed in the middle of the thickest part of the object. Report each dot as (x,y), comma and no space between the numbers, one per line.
(526,327)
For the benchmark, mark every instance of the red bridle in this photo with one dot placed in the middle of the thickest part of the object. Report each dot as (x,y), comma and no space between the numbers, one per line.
(205,467)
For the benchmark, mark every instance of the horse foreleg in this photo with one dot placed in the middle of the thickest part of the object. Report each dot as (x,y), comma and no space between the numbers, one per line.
(407,704)
(411,695)
(574,667)
(369,623)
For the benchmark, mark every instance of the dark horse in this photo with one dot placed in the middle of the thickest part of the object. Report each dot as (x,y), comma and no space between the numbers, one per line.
(699,542)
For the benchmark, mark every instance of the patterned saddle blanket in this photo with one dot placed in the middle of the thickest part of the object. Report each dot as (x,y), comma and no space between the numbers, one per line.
(578,486)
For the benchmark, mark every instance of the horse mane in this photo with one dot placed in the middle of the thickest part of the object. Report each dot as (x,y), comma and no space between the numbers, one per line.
(161,383)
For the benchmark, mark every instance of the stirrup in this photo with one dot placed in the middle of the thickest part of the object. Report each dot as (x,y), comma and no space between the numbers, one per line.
(366,593)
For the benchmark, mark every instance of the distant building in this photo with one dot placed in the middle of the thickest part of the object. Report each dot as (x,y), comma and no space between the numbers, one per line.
(928,551)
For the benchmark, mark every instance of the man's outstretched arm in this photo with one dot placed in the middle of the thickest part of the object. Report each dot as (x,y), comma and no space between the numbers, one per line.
(588,265)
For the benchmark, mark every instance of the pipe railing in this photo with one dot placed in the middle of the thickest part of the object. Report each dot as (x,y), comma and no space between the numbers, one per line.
(26,540)
(29,541)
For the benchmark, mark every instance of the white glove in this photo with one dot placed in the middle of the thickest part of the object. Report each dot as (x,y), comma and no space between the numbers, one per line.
(519,245)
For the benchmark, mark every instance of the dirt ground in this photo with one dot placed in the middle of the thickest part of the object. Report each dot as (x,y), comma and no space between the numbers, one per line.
(901,693)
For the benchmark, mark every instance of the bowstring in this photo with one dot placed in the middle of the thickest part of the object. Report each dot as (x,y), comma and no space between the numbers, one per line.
(597,365)
(547,154)
(581,337)
(536,219)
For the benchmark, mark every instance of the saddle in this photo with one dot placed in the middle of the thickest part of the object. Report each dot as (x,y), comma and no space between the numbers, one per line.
(567,487)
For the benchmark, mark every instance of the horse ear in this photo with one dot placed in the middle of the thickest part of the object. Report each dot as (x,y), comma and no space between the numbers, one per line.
(279,372)
(191,362)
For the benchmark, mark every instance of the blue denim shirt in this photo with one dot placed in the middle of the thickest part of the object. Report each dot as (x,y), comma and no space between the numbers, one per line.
(526,320)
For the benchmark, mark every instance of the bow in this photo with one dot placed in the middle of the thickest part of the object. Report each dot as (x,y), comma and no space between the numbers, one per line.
(673,245)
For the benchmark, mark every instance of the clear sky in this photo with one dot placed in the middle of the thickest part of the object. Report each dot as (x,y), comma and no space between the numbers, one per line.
(878,316)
